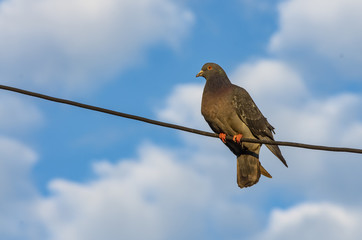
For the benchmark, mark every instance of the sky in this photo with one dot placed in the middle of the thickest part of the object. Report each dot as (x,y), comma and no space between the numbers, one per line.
(70,173)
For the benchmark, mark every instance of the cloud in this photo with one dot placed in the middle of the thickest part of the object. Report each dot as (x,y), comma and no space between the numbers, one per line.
(183,106)
(158,195)
(168,193)
(270,81)
(77,45)
(16,159)
(18,115)
(320,33)
(314,221)
(18,220)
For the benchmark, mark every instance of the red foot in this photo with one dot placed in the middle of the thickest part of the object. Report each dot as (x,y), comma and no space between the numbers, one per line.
(222,136)
(237,138)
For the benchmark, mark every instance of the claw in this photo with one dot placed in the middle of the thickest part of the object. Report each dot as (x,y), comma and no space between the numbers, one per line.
(237,138)
(222,136)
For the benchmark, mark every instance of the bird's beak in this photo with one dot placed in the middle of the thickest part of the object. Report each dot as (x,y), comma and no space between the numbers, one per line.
(200,74)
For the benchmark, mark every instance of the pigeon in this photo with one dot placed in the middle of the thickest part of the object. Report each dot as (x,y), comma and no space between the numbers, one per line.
(230,110)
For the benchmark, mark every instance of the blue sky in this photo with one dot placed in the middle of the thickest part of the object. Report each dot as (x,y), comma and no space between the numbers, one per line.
(69,173)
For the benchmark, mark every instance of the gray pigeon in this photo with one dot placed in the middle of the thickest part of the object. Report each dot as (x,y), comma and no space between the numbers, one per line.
(229,110)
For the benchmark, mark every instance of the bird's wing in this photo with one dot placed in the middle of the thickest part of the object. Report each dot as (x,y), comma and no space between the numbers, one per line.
(250,114)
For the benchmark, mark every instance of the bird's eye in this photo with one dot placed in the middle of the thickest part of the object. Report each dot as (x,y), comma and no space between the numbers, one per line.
(209,67)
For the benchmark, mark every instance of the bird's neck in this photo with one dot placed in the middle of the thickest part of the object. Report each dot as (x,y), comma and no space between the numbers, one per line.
(217,83)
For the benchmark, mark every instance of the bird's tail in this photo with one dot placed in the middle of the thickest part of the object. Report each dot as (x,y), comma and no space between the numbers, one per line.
(264,172)
(248,170)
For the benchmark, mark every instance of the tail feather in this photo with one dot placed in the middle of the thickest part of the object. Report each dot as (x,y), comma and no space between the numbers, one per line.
(248,170)
(264,172)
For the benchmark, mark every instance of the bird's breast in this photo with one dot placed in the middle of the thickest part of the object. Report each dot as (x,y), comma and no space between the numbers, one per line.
(213,105)
(216,108)
(219,111)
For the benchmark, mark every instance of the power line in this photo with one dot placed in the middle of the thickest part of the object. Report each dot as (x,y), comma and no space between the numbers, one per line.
(174,126)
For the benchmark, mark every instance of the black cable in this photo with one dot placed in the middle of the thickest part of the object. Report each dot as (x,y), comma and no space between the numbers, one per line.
(174,126)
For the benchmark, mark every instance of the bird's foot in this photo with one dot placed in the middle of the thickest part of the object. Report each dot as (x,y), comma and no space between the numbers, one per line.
(237,138)
(222,136)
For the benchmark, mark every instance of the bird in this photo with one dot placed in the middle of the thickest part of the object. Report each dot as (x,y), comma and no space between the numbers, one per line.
(229,110)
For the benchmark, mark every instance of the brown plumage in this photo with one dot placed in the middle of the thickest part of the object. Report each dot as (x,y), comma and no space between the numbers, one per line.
(229,109)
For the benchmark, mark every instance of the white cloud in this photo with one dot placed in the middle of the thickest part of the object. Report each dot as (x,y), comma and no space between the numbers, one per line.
(76,45)
(17,192)
(314,221)
(17,115)
(16,159)
(183,106)
(159,195)
(270,81)
(353,135)
(321,30)
(325,121)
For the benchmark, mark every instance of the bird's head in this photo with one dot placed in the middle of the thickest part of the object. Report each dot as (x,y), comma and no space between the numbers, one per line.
(209,70)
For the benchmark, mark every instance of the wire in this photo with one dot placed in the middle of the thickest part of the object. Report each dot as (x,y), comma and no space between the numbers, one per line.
(174,126)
